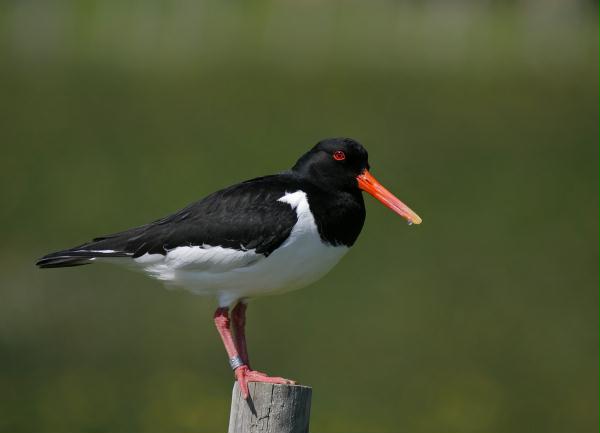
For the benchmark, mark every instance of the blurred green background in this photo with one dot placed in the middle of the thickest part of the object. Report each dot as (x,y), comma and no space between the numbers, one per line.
(482,116)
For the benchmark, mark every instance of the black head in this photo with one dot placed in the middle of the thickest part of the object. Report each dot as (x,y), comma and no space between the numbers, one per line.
(334,163)
(342,164)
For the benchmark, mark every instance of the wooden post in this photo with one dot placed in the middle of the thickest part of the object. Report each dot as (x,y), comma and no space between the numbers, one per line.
(270,409)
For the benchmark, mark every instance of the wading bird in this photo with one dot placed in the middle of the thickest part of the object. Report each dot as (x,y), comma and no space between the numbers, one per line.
(263,236)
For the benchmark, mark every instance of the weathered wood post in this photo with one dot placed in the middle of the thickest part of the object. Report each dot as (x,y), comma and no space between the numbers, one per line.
(270,409)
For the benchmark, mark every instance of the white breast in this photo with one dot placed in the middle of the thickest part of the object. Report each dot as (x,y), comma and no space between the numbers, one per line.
(232,274)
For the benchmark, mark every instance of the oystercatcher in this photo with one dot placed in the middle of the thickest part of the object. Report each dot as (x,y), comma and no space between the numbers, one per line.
(266,235)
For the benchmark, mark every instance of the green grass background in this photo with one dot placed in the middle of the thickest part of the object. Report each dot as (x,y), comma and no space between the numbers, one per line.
(484,119)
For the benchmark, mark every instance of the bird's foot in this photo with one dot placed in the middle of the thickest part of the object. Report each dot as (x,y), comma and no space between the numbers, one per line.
(244,375)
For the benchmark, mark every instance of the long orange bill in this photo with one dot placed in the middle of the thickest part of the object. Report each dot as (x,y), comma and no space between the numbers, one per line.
(368,183)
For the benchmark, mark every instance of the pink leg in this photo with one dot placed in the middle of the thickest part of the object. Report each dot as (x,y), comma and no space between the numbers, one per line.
(238,316)
(243,374)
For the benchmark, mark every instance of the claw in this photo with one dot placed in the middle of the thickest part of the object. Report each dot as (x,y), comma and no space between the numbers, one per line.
(244,375)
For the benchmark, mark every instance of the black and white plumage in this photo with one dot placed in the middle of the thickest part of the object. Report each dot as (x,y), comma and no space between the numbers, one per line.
(265,235)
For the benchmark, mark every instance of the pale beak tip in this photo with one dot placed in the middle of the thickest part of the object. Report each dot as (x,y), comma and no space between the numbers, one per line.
(415,220)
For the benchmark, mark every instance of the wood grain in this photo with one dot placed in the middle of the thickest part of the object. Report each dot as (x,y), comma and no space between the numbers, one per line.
(270,409)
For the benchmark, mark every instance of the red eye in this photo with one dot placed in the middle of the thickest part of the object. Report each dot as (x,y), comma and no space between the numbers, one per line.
(338,155)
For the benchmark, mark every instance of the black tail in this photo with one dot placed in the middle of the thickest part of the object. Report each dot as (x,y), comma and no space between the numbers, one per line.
(128,243)
(77,256)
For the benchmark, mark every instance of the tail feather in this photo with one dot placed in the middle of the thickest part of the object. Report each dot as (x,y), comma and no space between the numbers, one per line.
(77,256)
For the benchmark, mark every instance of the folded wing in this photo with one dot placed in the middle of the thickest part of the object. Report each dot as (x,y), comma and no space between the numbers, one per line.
(218,231)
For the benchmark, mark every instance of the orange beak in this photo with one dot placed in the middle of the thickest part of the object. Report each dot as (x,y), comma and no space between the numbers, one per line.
(368,183)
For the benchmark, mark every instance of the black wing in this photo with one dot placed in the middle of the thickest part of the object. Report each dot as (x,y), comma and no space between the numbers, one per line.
(244,216)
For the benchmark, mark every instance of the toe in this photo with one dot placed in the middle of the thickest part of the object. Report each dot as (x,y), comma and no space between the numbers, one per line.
(242,379)
(268,379)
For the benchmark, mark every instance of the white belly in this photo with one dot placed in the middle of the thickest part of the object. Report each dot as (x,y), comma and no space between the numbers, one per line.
(233,274)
